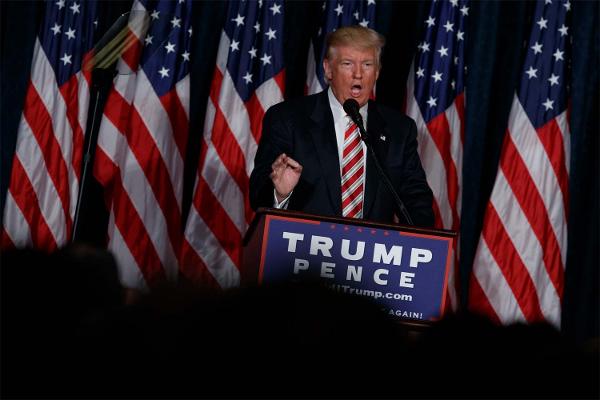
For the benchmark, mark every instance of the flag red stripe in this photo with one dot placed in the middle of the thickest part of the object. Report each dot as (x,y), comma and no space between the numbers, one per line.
(232,157)
(440,133)
(150,160)
(133,50)
(40,122)
(256,113)
(227,146)
(523,187)
(511,265)
(104,172)
(437,214)
(215,87)
(85,62)
(479,302)
(133,230)
(194,269)
(6,242)
(26,199)
(70,93)
(178,117)
(280,80)
(551,137)
(217,220)
(459,103)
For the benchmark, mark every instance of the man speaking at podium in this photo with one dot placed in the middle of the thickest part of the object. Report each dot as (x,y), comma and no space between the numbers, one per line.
(311,157)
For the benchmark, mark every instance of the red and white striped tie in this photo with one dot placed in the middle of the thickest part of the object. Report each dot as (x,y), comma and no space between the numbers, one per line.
(353,174)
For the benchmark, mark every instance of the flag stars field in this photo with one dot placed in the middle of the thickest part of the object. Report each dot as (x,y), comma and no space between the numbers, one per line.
(164,72)
(239,20)
(531,72)
(70,33)
(176,22)
(271,34)
(66,59)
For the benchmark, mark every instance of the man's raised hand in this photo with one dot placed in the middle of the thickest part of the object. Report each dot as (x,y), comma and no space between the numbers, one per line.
(285,175)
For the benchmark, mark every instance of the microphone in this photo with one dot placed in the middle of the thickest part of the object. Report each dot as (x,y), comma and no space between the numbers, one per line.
(351,108)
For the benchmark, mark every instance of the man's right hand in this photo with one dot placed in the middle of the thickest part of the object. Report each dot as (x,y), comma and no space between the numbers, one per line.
(285,175)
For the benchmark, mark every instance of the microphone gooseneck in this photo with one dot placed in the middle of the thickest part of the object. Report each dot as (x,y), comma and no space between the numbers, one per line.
(352,108)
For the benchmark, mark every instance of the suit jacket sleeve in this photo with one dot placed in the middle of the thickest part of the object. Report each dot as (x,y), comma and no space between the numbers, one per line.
(276,138)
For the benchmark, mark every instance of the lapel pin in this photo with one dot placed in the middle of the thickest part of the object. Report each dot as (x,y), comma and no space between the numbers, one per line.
(382,138)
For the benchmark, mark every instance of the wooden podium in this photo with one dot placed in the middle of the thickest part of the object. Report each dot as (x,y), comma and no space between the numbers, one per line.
(405,269)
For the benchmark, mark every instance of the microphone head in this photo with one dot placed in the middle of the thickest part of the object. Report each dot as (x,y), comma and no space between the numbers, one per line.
(351,107)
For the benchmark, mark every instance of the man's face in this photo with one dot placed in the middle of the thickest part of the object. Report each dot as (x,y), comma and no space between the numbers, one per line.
(352,73)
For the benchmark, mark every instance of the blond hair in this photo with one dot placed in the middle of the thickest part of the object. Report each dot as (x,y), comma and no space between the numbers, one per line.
(354,36)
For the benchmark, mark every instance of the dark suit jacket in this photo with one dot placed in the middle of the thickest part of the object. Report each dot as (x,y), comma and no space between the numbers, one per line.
(303,129)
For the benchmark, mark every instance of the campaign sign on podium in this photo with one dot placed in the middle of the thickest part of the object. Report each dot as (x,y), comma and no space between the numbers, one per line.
(405,271)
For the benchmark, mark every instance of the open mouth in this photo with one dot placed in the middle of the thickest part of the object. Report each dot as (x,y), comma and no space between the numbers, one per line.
(356,90)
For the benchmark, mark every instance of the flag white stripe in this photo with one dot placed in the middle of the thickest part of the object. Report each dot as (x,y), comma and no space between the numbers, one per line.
(456,148)
(30,155)
(312,81)
(159,127)
(218,179)
(565,130)
(83,94)
(526,245)
(540,168)
(431,159)
(139,21)
(56,107)
(494,285)
(235,113)
(268,94)
(142,197)
(206,245)
(129,275)
(15,224)
(223,52)
(224,188)
(182,88)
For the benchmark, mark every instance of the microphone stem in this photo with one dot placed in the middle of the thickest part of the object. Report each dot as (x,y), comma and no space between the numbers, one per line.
(384,177)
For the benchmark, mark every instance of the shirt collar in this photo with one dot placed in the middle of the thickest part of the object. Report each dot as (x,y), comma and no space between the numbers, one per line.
(338,110)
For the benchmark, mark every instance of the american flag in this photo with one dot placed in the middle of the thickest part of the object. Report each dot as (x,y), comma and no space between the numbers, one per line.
(436,101)
(248,79)
(518,272)
(42,195)
(335,14)
(142,141)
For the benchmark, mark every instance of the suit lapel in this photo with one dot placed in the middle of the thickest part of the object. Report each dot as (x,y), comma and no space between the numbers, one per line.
(378,134)
(322,131)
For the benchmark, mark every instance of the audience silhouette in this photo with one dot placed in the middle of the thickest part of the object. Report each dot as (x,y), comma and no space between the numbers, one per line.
(68,332)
